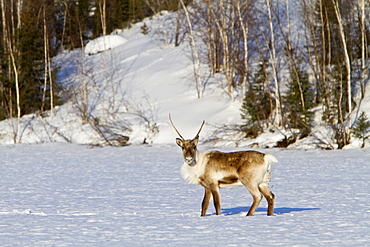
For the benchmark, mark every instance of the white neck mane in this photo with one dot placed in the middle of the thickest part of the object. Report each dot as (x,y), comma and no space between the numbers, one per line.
(191,174)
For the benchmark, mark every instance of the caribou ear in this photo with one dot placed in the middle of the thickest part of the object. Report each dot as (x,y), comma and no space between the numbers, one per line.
(195,140)
(179,142)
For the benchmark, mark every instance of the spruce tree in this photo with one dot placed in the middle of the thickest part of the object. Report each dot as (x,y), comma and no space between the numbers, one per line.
(361,129)
(256,107)
(299,100)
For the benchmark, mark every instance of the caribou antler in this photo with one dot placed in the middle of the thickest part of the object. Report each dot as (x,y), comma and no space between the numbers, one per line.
(169,115)
(196,136)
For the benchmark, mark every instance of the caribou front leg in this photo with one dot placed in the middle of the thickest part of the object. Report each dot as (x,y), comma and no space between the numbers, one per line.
(270,197)
(206,200)
(216,198)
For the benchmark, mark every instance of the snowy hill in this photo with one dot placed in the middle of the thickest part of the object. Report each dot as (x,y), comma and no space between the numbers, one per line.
(136,84)
(126,84)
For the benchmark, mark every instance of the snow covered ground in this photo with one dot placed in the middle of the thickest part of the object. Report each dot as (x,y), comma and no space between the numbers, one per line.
(72,195)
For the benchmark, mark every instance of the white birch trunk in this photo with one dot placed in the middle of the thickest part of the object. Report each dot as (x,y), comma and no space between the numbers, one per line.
(346,56)
(45,60)
(277,113)
(363,48)
(51,87)
(245,30)
(291,56)
(196,61)
(11,50)
(83,74)
(103,15)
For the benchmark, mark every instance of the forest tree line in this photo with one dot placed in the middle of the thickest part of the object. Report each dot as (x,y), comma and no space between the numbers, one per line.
(286,70)
(252,43)
(33,31)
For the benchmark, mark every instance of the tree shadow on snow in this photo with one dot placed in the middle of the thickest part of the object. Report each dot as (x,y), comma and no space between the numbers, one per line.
(277,211)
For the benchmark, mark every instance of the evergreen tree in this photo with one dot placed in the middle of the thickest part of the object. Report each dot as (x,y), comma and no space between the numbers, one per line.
(30,62)
(299,100)
(28,50)
(256,107)
(361,129)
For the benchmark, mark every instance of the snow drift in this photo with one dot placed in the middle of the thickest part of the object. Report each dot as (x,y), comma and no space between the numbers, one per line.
(103,43)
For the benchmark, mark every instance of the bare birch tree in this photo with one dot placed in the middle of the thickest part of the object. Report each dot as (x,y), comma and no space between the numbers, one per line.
(277,111)
(223,28)
(45,57)
(83,78)
(196,59)
(48,78)
(9,33)
(363,47)
(103,15)
(245,29)
(51,84)
(346,55)
(291,56)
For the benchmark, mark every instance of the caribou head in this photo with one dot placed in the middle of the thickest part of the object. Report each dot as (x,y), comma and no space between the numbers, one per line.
(189,147)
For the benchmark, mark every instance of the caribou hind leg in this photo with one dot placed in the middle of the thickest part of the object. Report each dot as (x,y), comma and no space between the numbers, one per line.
(270,197)
(257,197)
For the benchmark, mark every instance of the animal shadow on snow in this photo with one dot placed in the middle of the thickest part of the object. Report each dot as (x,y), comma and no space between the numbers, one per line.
(277,211)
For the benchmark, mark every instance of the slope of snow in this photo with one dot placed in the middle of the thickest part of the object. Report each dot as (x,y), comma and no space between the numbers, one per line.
(136,84)
(71,195)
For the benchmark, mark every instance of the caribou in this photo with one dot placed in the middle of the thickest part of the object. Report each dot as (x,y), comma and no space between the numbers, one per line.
(214,170)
